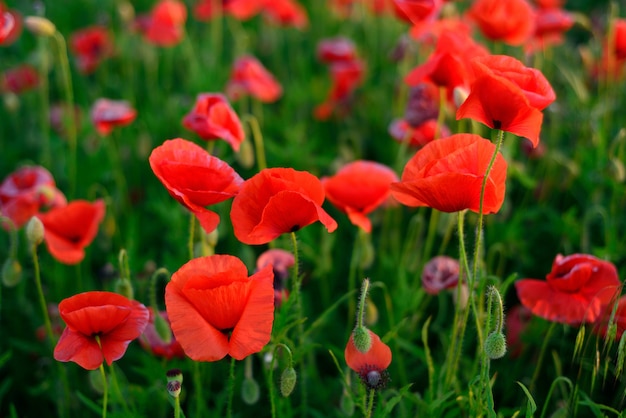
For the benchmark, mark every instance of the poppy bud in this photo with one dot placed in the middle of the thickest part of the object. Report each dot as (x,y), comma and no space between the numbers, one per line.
(250,391)
(245,156)
(174,375)
(34,231)
(212,237)
(124,288)
(174,388)
(362,339)
(617,170)
(371,313)
(11,272)
(495,345)
(346,404)
(163,329)
(288,381)
(40,26)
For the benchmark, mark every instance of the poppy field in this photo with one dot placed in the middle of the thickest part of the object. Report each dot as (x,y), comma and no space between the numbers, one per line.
(294,208)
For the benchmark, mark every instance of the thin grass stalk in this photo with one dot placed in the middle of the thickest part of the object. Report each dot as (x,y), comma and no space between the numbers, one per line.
(231,388)
(542,354)
(257,137)
(42,298)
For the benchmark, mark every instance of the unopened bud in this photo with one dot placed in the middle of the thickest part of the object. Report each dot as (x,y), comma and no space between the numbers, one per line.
(34,231)
(40,26)
(495,345)
(371,313)
(173,388)
(362,339)
(245,156)
(212,237)
(11,272)
(346,404)
(124,288)
(250,391)
(288,381)
(162,328)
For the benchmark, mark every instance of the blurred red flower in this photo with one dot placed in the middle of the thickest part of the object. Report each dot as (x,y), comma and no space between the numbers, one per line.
(511,21)
(281,261)
(620,39)
(100,325)
(440,273)
(25,191)
(165,25)
(19,79)
(359,188)
(517,319)
(576,290)
(550,25)
(249,76)
(152,341)
(447,175)
(107,114)
(212,117)
(215,309)
(346,77)
(194,178)
(336,49)
(240,9)
(10,26)
(372,365)
(277,201)
(499,103)
(71,228)
(91,46)
(418,136)
(602,323)
(417,11)
(286,13)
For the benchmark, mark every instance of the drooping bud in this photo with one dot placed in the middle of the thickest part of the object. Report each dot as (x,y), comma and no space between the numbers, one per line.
(245,156)
(250,391)
(162,328)
(495,345)
(124,288)
(35,231)
(362,339)
(288,381)
(11,272)
(40,26)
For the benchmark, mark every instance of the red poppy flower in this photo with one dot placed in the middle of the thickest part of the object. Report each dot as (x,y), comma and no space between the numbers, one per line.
(109,317)
(19,79)
(10,26)
(91,46)
(549,4)
(430,31)
(371,366)
(517,319)
(212,117)
(165,25)
(447,175)
(534,85)
(250,77)
(25,191)
(107,114)
(154,343)
(418,136)
(501,104)
(194,178)
(240,9)
(620,39)
(550,25)
(440,273)
(286,13)
(508,21)
(276,201)
(346,77)
(358,188)
(336,49)
(215,309)
(619,320)
(281,261)
(575,291)
(417,11)
(69,229)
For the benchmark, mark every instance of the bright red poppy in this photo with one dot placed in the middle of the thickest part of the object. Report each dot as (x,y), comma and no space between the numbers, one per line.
(286,13)
(359,188)
(447,175)
(25,191)
(215,309)
(100,325)
(250,77)
(71,228)
(212,117)
(277,201)
(576,290)
(91,46)
(430,31)
(501,104)
(533,83)
(19,79)
(440,273)
(10,26)
(194,178)
(620,39)
(511,21)
(372,365)
(239,9)
(346,77)
(336,49)
(165,25)
(418,136)
(281,261)
(152,341)
(107,114)
(417,11)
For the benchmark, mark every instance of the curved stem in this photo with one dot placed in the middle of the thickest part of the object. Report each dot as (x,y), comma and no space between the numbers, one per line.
(42,299)
(362,300)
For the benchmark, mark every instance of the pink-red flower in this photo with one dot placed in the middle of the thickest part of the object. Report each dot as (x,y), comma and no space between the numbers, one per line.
(277,201)
(336,49)
(10,26)
(346,77)
(215,309)
(91,46)
(153,342)
(372,365)
(281,261)
(250,77)
(358,188)
(576,290)
(165,25)
(194,178)
(440,273)
(508,21)
(107,114)
(447,175)
(286,13)
(239,9)
(418,136)
(71,228)
(417,11)
(100,326)
(19,79)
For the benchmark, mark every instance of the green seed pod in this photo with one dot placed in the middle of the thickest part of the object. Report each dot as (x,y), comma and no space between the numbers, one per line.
(362,339)
(11,273)
(173,388)
(495,345)
(174,375)
(288,381)
(250,391)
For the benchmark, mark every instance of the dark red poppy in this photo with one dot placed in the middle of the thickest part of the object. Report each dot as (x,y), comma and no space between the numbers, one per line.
(100,325)
(152,341)
(576,290)
(336,49)
(91,46)
(71,228)
(602,323)
(372,365)
(550,25)
(277,201)
(25,191)
(194,178)
(250,77)
(281,261)
(501,104)
(508,21)
(417,11)
(359,188)
(107,114)
(440,273)
(533,83)
(423,104)
(346,77)
(620,39)
(165,25)
(212,117)
(447,175)
(418,136)
(19,79)
(240,9)
(549,4)
(10,26)
(215,309)
(286,13)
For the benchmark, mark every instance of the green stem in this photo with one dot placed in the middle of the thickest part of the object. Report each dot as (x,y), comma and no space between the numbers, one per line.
(42,299)
(118,392)
(177,407)
(105,385)
(46,156)
(432,232)
(542,353)
(354,261)
(257,136)
(192,227)
(297,283)
(362,300)
(231,388)
(370,403)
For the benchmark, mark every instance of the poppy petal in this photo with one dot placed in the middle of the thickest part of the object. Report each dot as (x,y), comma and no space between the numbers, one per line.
(378,357)
(76,347)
